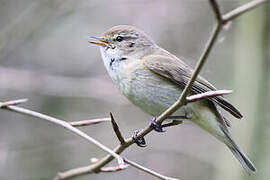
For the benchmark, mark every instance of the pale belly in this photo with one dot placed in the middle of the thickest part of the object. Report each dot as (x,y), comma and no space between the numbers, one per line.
(154,94)
(149,91)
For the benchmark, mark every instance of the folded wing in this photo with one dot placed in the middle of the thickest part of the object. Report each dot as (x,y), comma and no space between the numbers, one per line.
(179,73)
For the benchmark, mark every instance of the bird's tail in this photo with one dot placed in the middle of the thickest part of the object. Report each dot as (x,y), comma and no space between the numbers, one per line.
(239,154)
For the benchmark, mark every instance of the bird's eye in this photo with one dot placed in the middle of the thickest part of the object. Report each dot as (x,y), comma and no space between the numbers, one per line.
(119,38)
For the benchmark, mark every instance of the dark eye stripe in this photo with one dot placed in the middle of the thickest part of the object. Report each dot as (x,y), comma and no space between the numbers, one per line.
(121,38)
(130,37)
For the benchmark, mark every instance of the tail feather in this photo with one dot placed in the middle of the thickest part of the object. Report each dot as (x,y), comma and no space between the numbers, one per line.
(240,155)
(244,161)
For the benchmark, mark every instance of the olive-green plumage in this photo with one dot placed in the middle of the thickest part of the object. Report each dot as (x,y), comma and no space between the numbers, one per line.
(153,79)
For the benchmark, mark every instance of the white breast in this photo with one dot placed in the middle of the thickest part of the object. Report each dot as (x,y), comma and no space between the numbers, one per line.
(140,85)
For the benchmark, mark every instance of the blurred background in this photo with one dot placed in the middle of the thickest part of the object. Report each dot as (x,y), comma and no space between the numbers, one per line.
(45,57)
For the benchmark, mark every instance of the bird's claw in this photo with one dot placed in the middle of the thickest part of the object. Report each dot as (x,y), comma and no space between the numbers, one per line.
(139,141)
(156,126)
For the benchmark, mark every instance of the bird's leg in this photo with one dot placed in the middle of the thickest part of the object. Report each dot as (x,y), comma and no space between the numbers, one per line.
(172,123)
(159,127)
(156,126)
(186,116)
(139,141)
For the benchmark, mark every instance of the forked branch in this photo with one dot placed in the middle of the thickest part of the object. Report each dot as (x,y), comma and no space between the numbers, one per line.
(10,105)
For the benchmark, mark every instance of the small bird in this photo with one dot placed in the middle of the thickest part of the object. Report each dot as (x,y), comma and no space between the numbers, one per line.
(153,79)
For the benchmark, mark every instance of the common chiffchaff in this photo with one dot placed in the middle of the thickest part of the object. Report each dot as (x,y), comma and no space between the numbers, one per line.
(153,79)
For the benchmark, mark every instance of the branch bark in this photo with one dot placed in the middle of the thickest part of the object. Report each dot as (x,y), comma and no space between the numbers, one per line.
(208,94)
(10,105)
(242,9)
(88,122)
(7,105)
(13,102)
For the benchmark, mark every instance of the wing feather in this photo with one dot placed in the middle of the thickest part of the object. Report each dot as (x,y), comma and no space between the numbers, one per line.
(179,73)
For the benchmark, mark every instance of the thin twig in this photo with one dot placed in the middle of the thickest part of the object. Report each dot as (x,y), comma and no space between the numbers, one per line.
(89,169)
(242,9)
(173,123)
(117,131)
(181,101)
(160,176)
(7,105)
(88,122)
(216,9)
(112,169)
(63,124)
(109,168)
(12,102)
(207,94)
(93,167)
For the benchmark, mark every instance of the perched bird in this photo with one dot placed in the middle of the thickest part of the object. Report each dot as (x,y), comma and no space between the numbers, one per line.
(153,79)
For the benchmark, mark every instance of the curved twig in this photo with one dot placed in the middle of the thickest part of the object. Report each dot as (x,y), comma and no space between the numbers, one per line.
(8,105)
(89,122)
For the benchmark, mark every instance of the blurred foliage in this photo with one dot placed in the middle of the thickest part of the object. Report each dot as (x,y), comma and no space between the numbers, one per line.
(45,56)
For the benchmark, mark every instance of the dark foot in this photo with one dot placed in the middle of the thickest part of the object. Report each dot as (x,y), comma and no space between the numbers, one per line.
(156,126)
(159,127)
(173,123)
(186,116)
(139,141)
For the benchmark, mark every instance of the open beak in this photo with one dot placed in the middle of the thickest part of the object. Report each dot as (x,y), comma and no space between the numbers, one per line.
(98,41)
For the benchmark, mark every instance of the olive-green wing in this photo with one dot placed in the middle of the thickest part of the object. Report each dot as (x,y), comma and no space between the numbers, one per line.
(179,73)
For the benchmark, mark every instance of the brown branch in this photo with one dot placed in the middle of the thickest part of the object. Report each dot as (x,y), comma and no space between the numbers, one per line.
(242,9)
(112,169)
(88,122)
(182,99)
(109,168)
(74,123)
(88,169)
(160,176)
(117,131)
(7,105)
(216,9)
(207,94)
(13,102)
